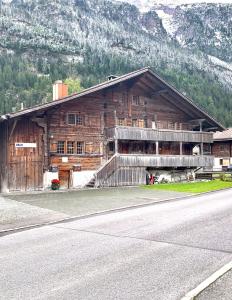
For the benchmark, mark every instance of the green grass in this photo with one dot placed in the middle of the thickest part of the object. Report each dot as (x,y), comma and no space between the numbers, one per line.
(193,187)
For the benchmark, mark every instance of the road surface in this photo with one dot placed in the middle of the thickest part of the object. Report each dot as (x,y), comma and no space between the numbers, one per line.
(155,252)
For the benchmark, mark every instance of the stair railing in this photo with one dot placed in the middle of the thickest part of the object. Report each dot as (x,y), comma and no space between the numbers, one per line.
(106,170)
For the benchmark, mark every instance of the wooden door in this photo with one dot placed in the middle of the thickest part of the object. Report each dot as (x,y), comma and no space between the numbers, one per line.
(25,174)
(64,177)
(26,162)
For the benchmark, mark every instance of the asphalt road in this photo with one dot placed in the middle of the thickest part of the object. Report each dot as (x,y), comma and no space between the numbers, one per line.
(156,252)
(219,290)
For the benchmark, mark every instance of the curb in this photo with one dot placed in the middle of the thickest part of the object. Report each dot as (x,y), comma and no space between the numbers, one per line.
(205,284)
(104,212)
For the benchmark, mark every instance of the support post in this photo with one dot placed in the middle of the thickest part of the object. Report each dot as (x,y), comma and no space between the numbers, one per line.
(116,146)
(202,149)
(157,148)
(115,118)
(181,148)
(200,126)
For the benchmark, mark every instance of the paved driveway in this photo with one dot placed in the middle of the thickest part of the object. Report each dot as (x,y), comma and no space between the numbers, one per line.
(82,202)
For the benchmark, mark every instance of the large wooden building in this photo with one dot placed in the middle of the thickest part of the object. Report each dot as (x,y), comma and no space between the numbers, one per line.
(110,134)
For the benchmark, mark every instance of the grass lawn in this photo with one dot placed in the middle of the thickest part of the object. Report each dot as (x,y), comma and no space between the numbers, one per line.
(193,187)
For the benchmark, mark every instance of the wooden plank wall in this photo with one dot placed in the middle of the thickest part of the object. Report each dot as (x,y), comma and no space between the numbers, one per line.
(25,164)
(222,149)
(3,157)
(90,133)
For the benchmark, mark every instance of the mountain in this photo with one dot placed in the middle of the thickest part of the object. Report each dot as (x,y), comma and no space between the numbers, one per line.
(42,41)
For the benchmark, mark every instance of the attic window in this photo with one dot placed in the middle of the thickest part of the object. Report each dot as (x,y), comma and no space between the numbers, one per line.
(71,119)
(79,120)
(75,119)
(135,100)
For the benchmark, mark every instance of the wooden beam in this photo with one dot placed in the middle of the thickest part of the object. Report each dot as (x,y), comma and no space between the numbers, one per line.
(160,92)
(148,84)
(13,128)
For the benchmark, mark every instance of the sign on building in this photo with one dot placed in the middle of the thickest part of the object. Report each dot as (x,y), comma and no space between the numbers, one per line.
(25,145)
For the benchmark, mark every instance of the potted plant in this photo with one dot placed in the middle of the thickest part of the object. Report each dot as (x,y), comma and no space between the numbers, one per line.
(55,184)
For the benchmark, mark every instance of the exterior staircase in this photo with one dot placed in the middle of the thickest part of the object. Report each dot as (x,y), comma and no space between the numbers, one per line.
(91,183)
(102,175)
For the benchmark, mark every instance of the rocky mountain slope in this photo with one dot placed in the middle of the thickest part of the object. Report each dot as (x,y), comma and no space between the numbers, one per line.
(93,38)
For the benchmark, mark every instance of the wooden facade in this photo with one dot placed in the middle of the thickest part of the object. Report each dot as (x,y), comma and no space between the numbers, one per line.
(222,150)
(3,157)
(124,125)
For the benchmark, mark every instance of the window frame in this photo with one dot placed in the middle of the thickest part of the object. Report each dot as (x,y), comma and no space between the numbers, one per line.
(121,121)
(134,122)
(71,114)
(72,147)
(136,100)
(58,148)
(82,148)
(79,119)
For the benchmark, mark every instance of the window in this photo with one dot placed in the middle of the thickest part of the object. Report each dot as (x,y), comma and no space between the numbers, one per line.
(121,122)
(75,119)
(222,148)
(111,147)
(70,147)
(135,100)
(80,147)
(60,147)
(141,123)
(221,162)
(71,119)
(122,97)
(134,123)
(79,120)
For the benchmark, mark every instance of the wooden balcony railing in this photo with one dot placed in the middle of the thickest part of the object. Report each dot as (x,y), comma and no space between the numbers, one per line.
(173,161)
(148,134)
(109,174)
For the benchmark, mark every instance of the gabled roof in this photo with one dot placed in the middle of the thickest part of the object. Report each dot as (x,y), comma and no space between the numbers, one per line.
(111,83)
(225,135)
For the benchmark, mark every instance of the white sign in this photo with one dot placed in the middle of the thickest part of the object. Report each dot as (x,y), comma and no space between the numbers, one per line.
(64,159)
(25,145)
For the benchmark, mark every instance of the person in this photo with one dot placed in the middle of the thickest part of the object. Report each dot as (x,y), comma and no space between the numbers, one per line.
(152,179)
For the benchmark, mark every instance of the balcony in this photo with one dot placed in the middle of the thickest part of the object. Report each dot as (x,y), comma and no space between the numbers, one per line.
(157,161)
(130,169)
(165,135)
